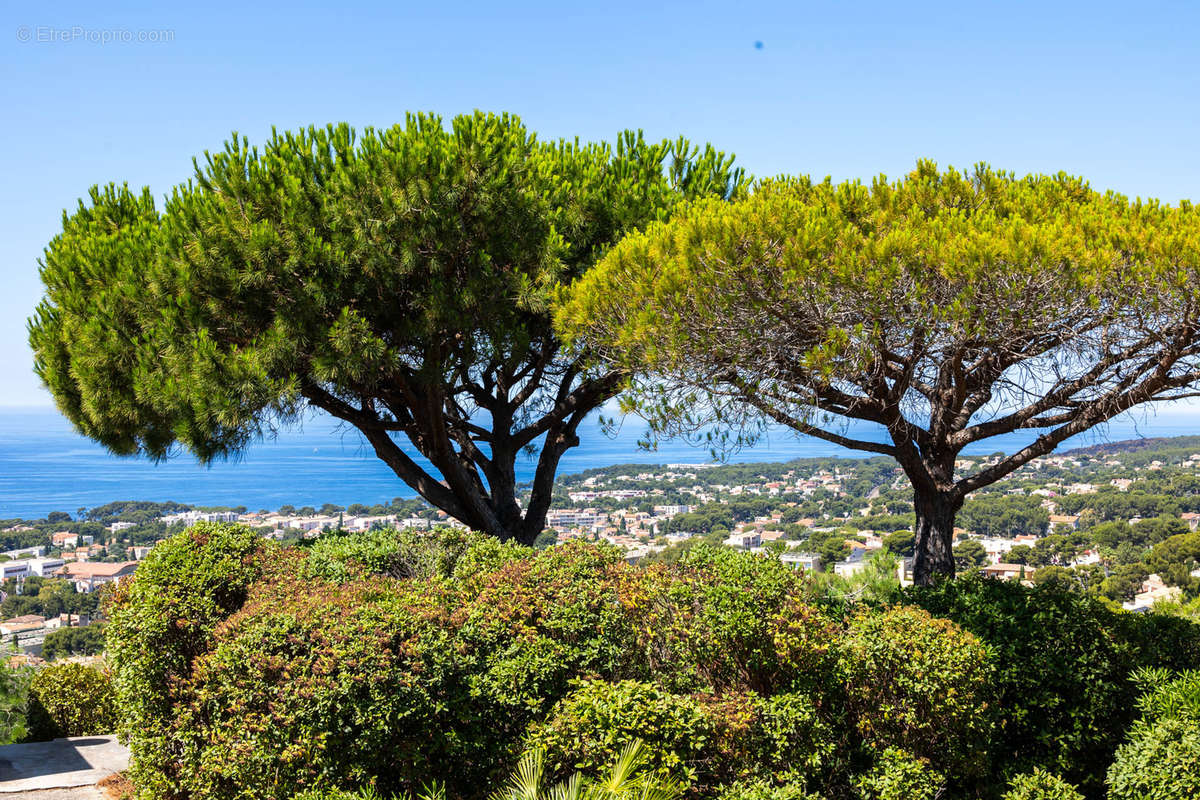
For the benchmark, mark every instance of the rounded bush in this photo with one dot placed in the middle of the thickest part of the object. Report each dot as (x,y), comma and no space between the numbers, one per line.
(1062,665)
(589,727)
(920,684)
(162,619)
(393,682)
(706,740)
(71,699)
(720,620)
(1161,761)
(406,553)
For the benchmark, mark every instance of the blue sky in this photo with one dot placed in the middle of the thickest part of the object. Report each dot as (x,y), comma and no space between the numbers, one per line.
(1107,91)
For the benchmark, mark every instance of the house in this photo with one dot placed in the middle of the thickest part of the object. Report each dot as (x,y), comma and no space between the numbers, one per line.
(809,562)
(18,570)
(1153,590)
(847,568)
(64,539)
(140,551)
(1191,518)
(89,576)
(1069,520)
(27,632)
(45,566)
(744,539)
(22,624)
(26,552)
(1008,572)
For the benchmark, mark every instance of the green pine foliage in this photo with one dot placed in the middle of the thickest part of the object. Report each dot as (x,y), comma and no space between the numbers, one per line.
(398,279)
(910,304)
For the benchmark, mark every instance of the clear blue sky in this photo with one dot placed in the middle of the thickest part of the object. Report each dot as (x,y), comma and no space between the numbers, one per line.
(849,89)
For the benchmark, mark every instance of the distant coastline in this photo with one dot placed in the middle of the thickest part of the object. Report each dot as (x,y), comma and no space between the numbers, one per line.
(45,466)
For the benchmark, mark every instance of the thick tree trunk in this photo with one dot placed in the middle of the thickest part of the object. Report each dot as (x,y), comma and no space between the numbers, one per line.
(934,554)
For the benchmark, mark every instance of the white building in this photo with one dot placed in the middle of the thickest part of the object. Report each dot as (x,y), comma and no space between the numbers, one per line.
(809,562)
(192,517)
(744,539)
(45,567)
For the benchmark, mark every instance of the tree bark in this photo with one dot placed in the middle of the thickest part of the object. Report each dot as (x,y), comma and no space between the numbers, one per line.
(934,555)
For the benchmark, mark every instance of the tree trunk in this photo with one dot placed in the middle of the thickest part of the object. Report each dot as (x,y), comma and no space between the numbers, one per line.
(934,554)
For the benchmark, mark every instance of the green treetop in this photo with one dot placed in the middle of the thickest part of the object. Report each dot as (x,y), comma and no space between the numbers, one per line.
(942,309)
(396,279)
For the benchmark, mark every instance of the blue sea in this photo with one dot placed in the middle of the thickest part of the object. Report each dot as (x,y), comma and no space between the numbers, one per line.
(45,466)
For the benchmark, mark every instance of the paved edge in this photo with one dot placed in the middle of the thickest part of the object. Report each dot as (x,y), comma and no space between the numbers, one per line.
(80,761)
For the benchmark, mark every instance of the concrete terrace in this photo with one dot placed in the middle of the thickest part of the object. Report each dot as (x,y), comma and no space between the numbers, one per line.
(64,769)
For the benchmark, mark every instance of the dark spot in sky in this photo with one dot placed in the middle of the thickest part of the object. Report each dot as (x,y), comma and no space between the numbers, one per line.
(758,45)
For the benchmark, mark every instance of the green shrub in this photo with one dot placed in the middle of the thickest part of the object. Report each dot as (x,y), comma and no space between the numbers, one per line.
(1159,762)
(69,699)
(1161,757)
(323,685)
(160,621)
(322,670)
(366,663)
(920,684)
(898,775)
(14,702)
(589,727)
(1040,785)
(406,553)
(706,740)
(760,789)
(719,619)
(394,682)
(1062,667)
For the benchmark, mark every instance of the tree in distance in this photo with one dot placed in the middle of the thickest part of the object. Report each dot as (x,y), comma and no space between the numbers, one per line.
(939,311)
(399,280)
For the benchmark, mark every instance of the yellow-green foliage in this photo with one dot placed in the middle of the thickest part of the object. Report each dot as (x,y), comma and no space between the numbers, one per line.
(70,699)
(897,775)
(1160,759)
(982,254)
(1040,785)
(920,684)
(705,740)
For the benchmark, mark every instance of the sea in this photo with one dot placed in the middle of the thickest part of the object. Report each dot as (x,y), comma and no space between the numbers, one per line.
(46,466)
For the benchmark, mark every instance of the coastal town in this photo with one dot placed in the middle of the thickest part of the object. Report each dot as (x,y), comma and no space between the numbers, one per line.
(1104,518)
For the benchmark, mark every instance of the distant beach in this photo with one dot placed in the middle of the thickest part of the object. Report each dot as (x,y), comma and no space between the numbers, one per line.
(45,466)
